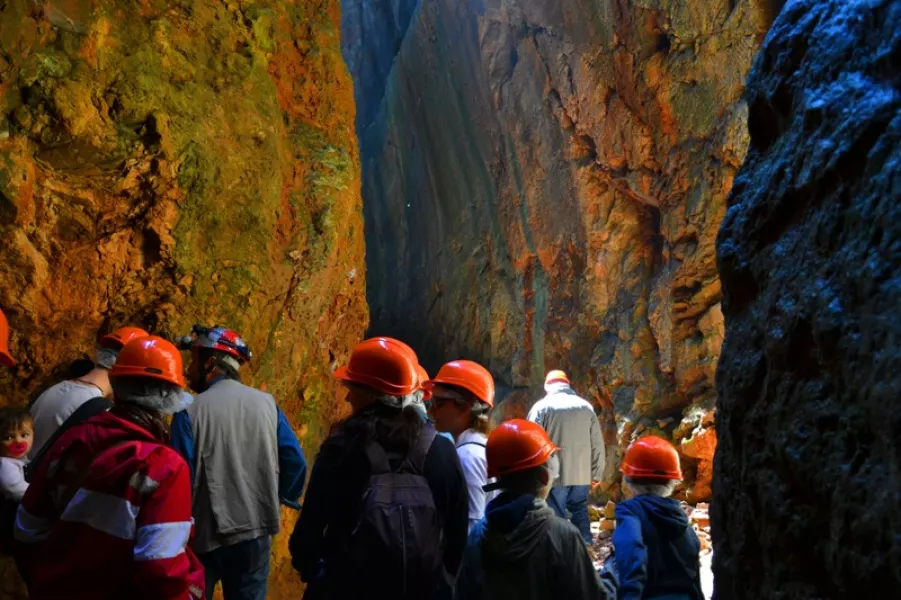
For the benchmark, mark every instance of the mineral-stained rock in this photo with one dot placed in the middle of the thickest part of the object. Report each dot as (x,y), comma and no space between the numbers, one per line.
(170,162)
(805,497)
(543,183)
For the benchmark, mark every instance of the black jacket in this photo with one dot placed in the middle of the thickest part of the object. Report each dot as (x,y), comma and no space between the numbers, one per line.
(330,509)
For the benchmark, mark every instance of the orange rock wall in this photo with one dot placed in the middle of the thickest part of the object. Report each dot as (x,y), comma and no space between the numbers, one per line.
(543,184)
(170,162)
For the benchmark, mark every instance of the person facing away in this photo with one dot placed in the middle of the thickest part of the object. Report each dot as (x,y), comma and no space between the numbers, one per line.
(521,550)
(108,512)
(59,401)
(572,425)
(655,548)
(244,460)
(462,395)
(16,438)
(383,462)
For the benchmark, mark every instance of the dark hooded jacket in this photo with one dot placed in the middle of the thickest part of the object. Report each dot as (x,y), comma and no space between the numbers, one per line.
(522,551)
(656,550)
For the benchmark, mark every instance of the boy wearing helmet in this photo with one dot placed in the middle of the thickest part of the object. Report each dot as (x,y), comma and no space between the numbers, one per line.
(521,550)
(656,550)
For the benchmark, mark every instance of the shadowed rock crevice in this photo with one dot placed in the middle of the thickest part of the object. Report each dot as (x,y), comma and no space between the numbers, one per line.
(542,186)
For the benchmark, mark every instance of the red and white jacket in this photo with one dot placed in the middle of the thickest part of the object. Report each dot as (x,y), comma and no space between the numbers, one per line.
(125,532)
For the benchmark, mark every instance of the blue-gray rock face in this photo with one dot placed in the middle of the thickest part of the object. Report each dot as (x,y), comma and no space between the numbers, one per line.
(806,487)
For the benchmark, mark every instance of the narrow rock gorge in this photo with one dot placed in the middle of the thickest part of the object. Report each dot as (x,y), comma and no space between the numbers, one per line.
(165,163)
(543,183)
(805,501)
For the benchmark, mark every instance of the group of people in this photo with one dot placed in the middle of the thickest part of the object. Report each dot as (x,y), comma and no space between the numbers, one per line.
(411,496)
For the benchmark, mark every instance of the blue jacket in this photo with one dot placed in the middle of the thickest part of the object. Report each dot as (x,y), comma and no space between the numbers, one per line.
(292,466)
(656,550)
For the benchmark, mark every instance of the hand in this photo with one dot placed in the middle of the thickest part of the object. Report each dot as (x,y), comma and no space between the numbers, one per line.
(595,485)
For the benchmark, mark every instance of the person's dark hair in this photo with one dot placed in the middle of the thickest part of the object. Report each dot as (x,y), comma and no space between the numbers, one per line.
(204,354)
(530,481)
(394,429)
(149,419)
(13,417)
(80,367)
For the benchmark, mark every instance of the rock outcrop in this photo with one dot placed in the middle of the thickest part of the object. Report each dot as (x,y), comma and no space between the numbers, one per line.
(543,183)
(805,498)
(170,162)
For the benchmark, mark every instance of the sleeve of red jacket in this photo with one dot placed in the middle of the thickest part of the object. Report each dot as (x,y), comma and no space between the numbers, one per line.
(165,568)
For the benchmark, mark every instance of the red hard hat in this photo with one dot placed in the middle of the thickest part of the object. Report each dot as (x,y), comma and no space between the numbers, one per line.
(556,376)
(467,375)
(517,445)
(383,364)
(422,375)
(652,457)
(121,336)
(150,356)
(6,358)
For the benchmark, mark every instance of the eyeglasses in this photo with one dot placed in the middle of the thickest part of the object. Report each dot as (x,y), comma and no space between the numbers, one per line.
(437,401)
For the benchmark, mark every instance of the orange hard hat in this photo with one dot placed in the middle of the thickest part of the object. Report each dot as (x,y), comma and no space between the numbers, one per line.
(517,445)
(6,358)
(150,356)
(423,376)
(121,336)
(468,375)
(383,364)
(651,457)
(556,376)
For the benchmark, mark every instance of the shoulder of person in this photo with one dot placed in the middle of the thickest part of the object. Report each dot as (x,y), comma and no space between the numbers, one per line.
(628,508)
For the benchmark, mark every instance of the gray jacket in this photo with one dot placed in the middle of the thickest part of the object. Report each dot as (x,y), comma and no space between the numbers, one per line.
(532,555)
(571,424)
(236,479)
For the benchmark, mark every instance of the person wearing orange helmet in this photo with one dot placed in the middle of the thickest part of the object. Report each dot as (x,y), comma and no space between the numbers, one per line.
(572,424)
(244,459)
(108,511)
(655,548)
(461,397)
(521,549)
(58,402)
(382,462)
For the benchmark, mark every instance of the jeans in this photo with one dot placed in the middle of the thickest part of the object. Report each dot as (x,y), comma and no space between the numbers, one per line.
(573,498)
(243,569)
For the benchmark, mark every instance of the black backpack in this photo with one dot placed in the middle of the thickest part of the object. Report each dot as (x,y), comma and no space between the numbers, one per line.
(8,508)
(397,544)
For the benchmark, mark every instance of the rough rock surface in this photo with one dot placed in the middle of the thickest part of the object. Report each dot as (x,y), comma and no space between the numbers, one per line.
(543,183)
(170,162)
(805,498)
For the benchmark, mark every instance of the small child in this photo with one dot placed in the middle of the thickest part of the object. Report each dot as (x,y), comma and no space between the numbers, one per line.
(655,548)
(521,550)
(16,437)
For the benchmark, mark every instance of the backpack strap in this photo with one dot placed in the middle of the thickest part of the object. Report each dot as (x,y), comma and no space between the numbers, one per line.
(480,444)
(92,407)
(378,458)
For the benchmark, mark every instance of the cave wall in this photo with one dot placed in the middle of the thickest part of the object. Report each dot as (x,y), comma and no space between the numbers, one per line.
(805,497)
(170,162)
(543,183)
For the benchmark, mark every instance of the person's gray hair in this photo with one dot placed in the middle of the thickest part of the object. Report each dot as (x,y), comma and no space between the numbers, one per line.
(664,490)
(106,358)
(155,394)
(415,400)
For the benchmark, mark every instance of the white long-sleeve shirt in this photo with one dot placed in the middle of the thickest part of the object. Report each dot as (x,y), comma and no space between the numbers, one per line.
(471,451)
(12,478)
